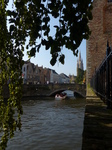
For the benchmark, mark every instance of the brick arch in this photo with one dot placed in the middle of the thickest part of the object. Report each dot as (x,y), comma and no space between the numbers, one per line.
(76,93)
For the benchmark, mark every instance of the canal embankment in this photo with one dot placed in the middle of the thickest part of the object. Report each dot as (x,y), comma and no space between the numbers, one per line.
(97,131)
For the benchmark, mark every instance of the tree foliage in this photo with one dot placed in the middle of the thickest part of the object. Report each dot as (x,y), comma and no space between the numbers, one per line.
(31,19)
(84,77)
(79,78)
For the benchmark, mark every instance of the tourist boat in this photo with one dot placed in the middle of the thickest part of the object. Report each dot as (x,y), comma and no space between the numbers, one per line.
(60,96)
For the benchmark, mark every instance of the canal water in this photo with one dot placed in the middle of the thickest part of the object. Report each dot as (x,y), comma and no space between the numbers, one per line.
(50,125)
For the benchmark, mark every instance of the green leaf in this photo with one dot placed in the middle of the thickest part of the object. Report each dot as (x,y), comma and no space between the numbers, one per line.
(32,52)
(12,27)
(61,59)
(38,47)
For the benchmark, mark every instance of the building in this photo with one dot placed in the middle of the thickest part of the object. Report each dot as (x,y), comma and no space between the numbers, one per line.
(58,78)
(64,78)
(41,75)
(101,32)
(54,76)
(30,73)
(47,75)
(72,78)
(79,63)
(33,74)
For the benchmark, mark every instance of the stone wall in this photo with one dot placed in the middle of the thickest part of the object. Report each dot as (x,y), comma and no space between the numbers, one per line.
(101,31)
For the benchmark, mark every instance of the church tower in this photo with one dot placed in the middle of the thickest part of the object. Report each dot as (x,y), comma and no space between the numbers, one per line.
(101,31)
(79,63)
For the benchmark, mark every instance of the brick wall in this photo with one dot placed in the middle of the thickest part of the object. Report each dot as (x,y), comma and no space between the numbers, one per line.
(101,28)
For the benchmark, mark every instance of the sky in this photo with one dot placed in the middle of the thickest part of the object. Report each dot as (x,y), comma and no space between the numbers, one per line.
(69,68)
(43,57)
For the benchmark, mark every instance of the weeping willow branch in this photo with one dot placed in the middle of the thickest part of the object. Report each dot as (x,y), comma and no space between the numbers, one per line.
(10,72)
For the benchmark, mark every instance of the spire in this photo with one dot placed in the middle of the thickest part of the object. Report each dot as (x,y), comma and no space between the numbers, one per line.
(79,63)
(79,56)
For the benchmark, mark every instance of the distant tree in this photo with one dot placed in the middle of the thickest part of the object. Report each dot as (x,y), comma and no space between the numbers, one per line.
(72,78)
(30,19)
(84,77)
(79,78)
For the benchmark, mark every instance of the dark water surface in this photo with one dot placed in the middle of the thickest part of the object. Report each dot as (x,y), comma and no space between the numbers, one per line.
(50,125)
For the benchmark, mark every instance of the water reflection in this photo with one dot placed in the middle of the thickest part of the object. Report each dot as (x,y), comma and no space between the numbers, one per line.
(50,125)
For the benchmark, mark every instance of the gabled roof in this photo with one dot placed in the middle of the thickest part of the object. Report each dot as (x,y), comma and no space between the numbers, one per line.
(64,75)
